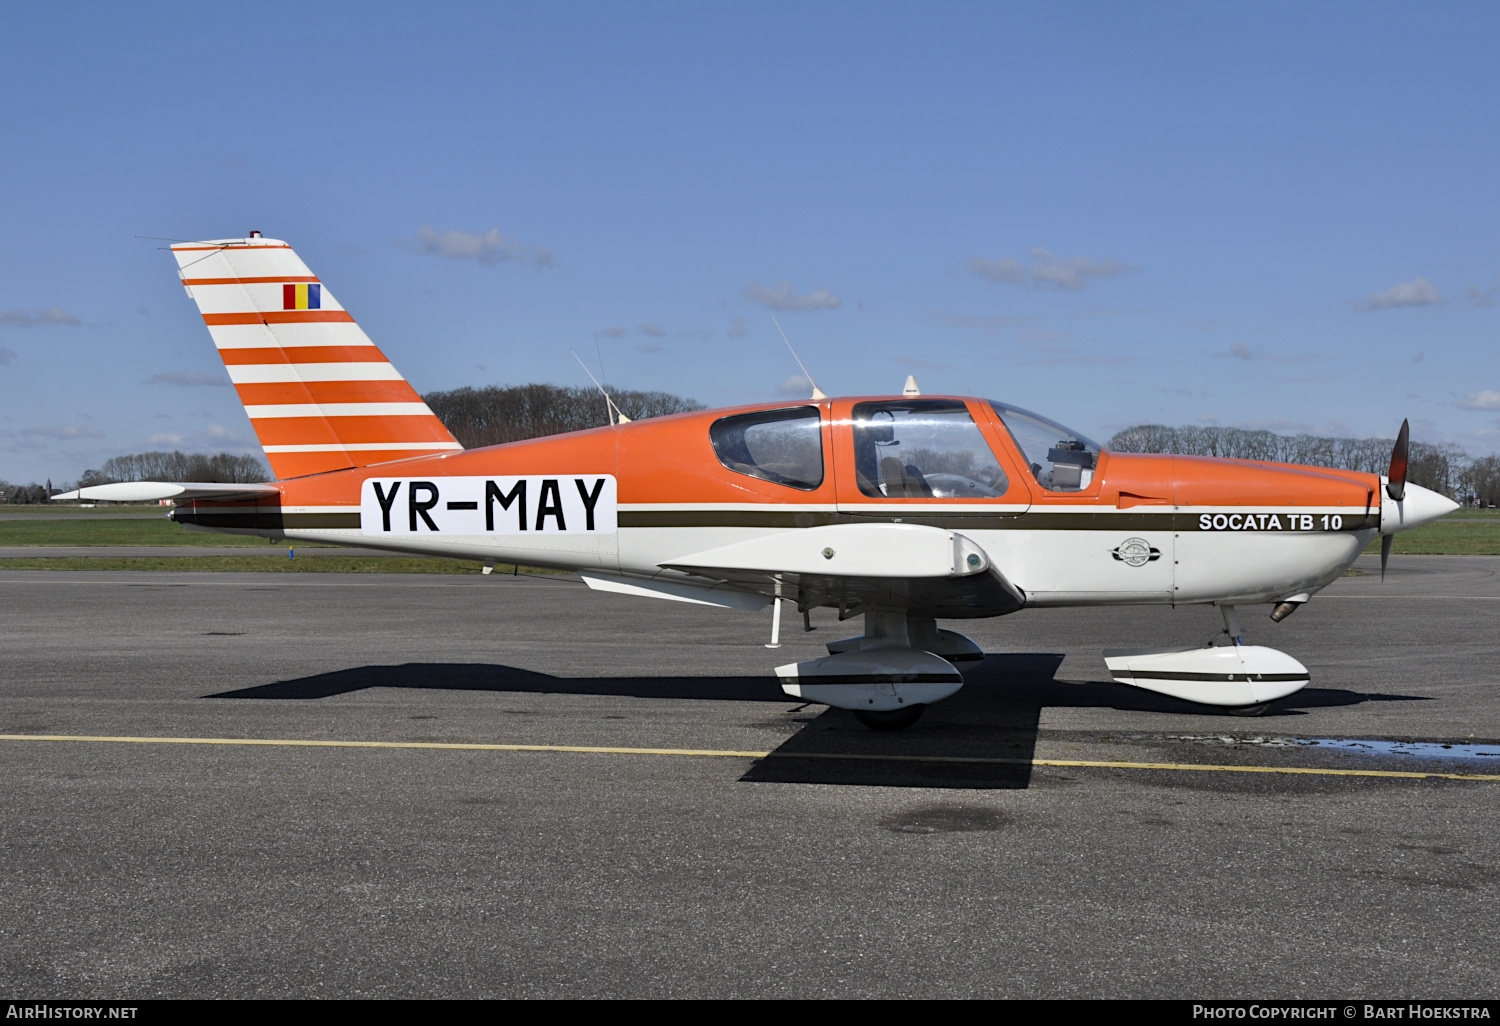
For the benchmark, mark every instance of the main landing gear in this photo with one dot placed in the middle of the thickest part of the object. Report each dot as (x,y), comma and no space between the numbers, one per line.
(889,675)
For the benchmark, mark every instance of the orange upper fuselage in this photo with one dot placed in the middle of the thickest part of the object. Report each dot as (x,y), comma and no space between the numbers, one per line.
(670,460)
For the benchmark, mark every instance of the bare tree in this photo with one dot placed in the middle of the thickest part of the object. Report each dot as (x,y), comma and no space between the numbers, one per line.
(493,415)
(1443,468)
(223,467)
(1480,481)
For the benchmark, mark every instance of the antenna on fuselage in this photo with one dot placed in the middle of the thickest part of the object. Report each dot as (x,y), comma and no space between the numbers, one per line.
(613,411)
(817,392)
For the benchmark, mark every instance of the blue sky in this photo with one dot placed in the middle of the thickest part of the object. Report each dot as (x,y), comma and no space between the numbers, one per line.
(1259,215)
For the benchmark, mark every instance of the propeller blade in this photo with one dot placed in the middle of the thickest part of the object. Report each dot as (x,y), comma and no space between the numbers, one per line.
(1396,485)
(1385,553)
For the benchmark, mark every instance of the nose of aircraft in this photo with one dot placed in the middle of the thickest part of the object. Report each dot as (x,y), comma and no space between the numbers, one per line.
(1417,507)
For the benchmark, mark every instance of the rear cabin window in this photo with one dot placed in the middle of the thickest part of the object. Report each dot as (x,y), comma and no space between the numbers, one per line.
(923,449)
(784,447)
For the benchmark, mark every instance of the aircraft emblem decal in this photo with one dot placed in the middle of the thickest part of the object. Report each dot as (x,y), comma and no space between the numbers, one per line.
(1136,552)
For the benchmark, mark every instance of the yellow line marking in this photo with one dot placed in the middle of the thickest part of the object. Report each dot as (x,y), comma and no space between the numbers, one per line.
(294,743)
(725,753)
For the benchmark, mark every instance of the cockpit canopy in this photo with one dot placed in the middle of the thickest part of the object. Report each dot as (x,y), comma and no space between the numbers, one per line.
(908,448)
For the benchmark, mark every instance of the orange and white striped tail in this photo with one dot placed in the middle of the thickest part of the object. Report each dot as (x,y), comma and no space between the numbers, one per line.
(319,393)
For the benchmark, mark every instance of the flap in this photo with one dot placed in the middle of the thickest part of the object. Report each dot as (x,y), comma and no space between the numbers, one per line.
(847,550)
(699,592)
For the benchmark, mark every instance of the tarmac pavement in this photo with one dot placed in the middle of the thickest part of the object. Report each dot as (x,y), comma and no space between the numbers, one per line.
(970,856)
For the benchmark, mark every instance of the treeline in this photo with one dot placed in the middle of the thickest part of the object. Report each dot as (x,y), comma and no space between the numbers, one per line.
(1444,468)
(514,413)
(224,467)
(23,495)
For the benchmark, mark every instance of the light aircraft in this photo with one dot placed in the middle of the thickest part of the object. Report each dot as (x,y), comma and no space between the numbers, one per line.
(905,509)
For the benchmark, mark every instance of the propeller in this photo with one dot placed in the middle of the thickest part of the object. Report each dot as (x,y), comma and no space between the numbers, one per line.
(1396,485)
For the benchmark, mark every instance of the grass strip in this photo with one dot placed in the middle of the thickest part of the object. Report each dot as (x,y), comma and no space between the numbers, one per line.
(1446,538)
(154,531)
(275,564)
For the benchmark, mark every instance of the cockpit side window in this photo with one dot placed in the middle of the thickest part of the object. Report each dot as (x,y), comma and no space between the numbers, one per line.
(923,449)
(784,447)
(1062,460)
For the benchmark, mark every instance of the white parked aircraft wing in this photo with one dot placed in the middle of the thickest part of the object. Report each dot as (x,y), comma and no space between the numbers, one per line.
(153,491)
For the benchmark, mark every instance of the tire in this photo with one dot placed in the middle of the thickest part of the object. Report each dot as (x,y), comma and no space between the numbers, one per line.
(893,719)
(1248,710)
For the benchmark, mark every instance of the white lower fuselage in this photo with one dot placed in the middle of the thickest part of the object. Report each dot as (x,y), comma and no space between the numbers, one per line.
(1245,555)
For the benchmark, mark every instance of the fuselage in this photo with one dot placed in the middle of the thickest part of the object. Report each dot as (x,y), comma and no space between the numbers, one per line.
(1078,526)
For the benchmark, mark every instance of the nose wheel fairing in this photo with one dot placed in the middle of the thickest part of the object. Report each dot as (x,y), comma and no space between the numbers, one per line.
(1234,675)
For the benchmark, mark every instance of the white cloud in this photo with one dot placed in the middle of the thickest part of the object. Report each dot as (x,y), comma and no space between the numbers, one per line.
(614,331)
(7,356)
(739,327)
(217,433)
(1242,351)
(781,296)
(187,379)
(1048,271)
(1475,296)
(18,318)
(907,361)
(488,249)
(1485,400)
(211,438)
(652,330)
(1417,292)
(65,431)
(796,385)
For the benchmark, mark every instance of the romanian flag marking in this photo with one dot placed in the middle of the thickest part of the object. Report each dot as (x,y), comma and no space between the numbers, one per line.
(302,297)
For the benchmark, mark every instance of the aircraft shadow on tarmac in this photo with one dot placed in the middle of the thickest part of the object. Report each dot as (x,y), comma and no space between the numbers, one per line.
(995,718)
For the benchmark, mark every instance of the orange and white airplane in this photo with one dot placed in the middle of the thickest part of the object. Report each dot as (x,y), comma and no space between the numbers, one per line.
(905,509)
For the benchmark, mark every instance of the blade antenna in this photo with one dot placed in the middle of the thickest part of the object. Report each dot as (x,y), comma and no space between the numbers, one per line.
(609,404)
(817,392)
(618,414)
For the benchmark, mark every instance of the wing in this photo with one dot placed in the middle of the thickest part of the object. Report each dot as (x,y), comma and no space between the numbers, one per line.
(925,570)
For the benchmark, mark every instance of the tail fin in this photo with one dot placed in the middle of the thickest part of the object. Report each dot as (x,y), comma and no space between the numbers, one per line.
(319,393)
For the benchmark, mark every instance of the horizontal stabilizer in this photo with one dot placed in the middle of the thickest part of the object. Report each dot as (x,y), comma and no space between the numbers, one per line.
(154,491)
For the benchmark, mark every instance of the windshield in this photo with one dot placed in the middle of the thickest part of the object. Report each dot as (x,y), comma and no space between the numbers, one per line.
(1061,459)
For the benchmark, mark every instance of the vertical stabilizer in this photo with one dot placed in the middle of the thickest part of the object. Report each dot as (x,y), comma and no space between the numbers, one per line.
(319,393)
